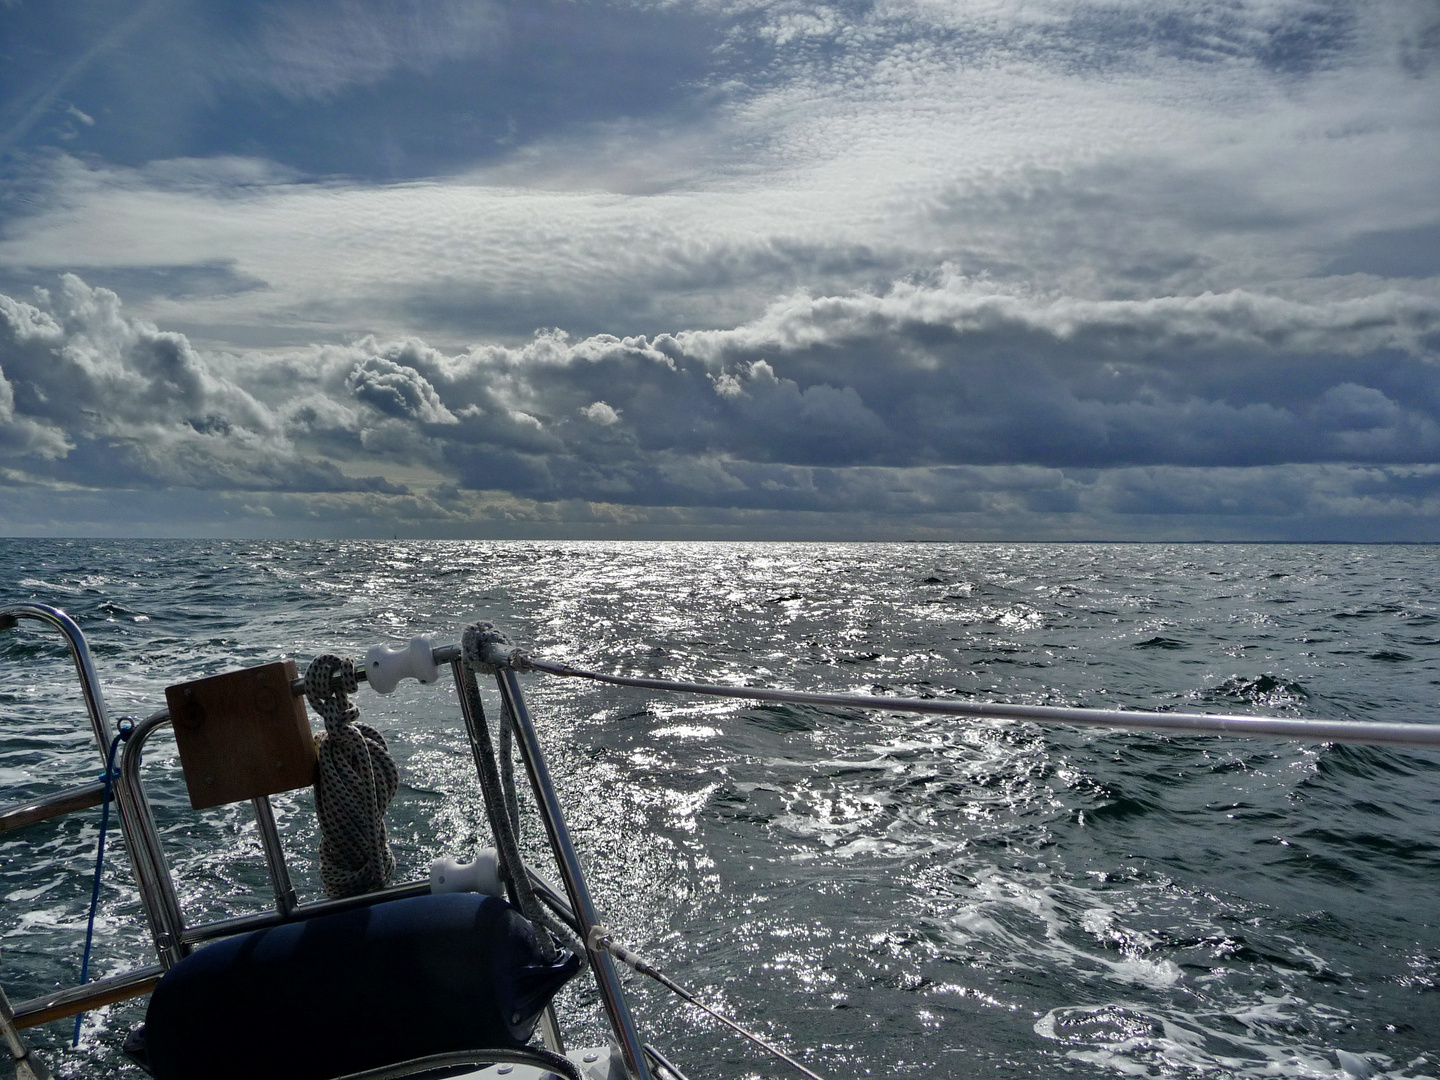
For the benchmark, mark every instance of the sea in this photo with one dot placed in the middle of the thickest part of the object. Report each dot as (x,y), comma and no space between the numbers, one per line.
(882,894)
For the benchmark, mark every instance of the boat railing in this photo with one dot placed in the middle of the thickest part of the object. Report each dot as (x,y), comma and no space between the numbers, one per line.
(1296,729)
(133,815)
(173,938)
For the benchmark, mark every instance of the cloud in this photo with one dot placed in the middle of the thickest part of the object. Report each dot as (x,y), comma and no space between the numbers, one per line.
(1115,151)
(599,413)
(913,263)
(95,397)
(82,364)
(310,50)
(950,400)
(361,88)
(397,391)
(24,436)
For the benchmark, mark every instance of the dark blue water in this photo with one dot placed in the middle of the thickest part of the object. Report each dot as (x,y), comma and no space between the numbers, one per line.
(886,894)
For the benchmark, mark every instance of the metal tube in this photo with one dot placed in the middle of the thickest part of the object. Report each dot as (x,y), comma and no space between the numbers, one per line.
(84,666)
(193,935)
(665,1063)
(52,806)
(162,905)
(502,810)
(285,899)
(136,824)
(543,1061)
(1361,732)
(549,1023)
(550,1033)
(92,995)
(512,866)
(11,1032)
(553,899)
(606,978)
(27,1065)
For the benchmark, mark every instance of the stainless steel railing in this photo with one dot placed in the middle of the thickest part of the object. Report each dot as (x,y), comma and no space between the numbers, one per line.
(173,938)
(1363,732)
(607,980)
(135,822)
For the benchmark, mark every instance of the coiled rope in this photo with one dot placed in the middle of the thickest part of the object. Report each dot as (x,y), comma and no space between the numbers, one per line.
(354,784)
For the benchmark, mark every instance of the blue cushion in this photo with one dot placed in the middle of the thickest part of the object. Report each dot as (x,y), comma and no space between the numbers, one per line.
(341,993)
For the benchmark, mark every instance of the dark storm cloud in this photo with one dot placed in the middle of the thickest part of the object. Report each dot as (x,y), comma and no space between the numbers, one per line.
(923,377)
(23,435)
(918,404)
(397,391)
(77,362)
(91,396)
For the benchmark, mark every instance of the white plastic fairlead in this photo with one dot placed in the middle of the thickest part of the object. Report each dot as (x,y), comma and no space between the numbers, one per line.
(480,876)
(384,668)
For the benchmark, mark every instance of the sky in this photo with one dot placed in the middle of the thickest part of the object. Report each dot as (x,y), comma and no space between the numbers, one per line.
(726,269)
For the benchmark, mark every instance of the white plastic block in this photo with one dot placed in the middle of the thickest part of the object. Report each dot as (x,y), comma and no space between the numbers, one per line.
(480,876)
(384,668)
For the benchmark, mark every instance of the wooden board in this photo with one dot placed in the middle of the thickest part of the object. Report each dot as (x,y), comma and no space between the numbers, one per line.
(242,734)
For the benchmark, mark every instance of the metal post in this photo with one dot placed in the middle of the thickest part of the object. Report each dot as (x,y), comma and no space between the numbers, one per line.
(97,992)
(512,866)
(285,899)
(51,806)
(612,997)
(84,666)
(150,877)
(162,904)
(27,1065)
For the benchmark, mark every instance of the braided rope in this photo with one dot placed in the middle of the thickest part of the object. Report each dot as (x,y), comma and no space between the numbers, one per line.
(502,822)
(355,782)
(565,936)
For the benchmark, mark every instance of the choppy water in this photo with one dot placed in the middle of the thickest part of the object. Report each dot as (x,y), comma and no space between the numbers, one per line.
(887,894)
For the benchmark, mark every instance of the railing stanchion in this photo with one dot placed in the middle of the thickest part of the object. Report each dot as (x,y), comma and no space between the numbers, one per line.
(135,822)
(162,904)
(607,980)
(285,899)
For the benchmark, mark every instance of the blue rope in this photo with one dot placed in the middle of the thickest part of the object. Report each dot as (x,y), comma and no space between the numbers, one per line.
(122,732)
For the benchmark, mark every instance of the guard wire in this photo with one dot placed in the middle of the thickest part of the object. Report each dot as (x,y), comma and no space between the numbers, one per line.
(600,938)
(1360,732)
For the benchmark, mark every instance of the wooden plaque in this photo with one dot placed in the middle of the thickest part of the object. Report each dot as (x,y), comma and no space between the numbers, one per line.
(242,734)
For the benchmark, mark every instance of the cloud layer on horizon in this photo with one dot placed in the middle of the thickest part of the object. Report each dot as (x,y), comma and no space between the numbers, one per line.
(935,406)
